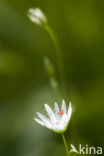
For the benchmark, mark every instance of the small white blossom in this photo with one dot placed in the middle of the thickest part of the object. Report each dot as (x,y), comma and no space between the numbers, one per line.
(37,16)
(56,120)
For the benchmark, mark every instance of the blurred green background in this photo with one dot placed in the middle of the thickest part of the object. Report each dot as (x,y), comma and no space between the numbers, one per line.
(24,84)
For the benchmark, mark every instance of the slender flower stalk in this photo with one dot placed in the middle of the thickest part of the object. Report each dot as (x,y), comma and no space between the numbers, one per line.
(65,144)
(59,57)
(39,18)
(50,70)
(51,73)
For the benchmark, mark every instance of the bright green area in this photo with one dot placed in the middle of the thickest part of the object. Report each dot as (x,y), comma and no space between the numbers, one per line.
(24,84)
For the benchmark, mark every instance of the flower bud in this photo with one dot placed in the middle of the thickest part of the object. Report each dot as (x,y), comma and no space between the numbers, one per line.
(54,83)
(37,16)
(49,66)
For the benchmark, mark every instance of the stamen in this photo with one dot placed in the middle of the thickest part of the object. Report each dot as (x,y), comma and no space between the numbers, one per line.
(47,115)
(62,112)
(58,113)
(54,110)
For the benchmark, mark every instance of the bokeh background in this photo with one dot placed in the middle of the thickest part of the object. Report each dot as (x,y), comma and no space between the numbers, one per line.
(24,84)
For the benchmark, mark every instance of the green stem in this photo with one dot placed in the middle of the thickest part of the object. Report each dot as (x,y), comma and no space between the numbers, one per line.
(58,55)
(66,146)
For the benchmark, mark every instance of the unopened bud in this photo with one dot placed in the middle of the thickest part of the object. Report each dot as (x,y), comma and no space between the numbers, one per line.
(37,16)
(49,67)
(53,83)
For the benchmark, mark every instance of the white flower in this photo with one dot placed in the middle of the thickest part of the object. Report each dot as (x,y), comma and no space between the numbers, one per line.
(56,120)
(37,16)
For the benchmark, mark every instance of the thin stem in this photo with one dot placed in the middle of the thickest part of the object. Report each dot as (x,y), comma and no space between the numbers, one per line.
(58,55)
(66,146)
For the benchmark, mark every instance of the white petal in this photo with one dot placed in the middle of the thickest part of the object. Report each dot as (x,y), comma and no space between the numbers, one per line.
(38,13)
(35,20)
(50,113)
(63,106)
(57,107)
(64,120)
(45,120)
(48,125)
(39,121)
(41,116)
(69,111)
(58,116)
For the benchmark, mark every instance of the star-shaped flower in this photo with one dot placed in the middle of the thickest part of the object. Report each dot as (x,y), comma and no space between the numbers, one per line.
(56,120)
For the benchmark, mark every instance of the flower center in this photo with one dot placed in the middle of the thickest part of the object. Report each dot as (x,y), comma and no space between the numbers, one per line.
(61,112)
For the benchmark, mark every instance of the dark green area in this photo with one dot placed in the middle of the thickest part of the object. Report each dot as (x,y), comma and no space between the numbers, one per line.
(24,84)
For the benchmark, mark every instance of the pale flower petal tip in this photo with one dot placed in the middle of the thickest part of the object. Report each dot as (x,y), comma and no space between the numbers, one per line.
(37,16)
(70,110)
(64,106)
(58,119)
(39,121)
(70,105)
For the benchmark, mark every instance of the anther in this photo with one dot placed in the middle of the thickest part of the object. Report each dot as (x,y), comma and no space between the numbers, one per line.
(58,113)
(62,112)
(54,110)
(47,115)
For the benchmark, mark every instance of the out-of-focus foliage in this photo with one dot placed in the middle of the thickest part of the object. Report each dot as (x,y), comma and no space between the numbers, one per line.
(24,85)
